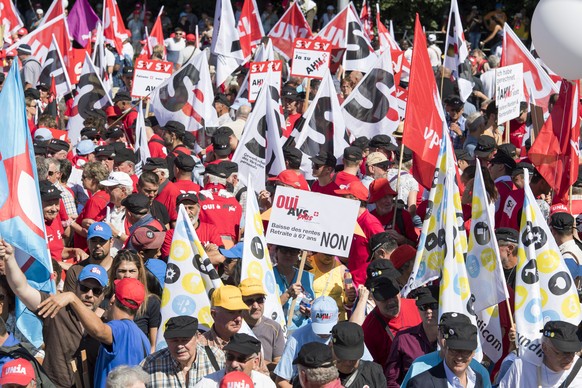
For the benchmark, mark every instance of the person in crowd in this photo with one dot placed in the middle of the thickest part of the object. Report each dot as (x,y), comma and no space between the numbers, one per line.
(31,67)
(167,191)
(322,168)
(119,186)
(126,377)
(18,373)
(149,185)
(562,228)
(316,367)
(508,239)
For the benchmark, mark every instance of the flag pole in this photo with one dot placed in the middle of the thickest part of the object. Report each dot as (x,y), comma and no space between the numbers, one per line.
(397,184)
(307,91)
(298,281)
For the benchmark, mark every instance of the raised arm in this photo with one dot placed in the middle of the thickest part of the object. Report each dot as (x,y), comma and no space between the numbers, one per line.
(16,278)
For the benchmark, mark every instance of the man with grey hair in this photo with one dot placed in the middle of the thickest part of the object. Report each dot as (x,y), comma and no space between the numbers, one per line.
(475,126)
(316,367)
(243,109)
(125,376)
(488,78)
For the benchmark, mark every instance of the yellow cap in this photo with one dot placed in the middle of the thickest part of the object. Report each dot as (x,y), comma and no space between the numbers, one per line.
(228,297)
(251,286)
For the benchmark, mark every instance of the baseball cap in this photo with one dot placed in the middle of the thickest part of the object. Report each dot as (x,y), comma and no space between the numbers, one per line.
(19,371)
(85,147)
(216,169)
(353,154)
(251,286)
(236,379)
(324,315)
(462,154)
(503,158)
(124,155)
(459,334)
(182,326)
(146,237)
(155,163)
(43,133)
(190,196)
(563,335)
(427,295)
(236,252)
(290,93)
(314,355)
(348,341)
(401,255)
(241,101)
(292,154)
(380,188)
(99,229)
(48,192)
(157,268)
(117,178)
(562,221)
(190,38)
(361,142)
(520,167)
(377,240)
(136,203)
(221,144)
(57,145)
(184,162)
(376,158)
(111,112)
(121,95)
(114,133)
(129,292)
(127,70)
(288,177)
(229,298)
(431,38)
(507,234)
(356,188)
(485,145)
(244,344)
(175,127)
(94,271)
(222,99)
(32,93)
(454,102)
(508,148)
(324,158)
(382,141)
(106,150)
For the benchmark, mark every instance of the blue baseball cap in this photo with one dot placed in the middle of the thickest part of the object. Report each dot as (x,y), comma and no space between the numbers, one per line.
(85,147)
(158,268)
(99,229)
(94,271)
(236,252)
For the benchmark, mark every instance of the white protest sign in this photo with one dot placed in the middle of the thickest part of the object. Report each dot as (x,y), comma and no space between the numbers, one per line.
(310,58)
(258,73)
(148,75)
(312,221)
(508,91)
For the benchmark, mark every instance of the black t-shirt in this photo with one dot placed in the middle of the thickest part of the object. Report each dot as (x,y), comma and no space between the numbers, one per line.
(151,316)
(160,212)
(369,374)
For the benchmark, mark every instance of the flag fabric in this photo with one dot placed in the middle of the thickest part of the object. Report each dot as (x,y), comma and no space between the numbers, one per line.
(100,61)
(371,108)
(225,42)
(53,69)
(91,96)
(264,53)
(424,113)
(141,140)
(21,216)
(10,19)
(490,332)
(537,82)
(386,41)
(260,149)
(456,52)
(555,150)
(256,262)
(154,37)
(544,289)
(114,29)
(190,278)
(187,96)
(56,9)
(250,28)
(366,18)
(82,20)
(292,25)
(553,76)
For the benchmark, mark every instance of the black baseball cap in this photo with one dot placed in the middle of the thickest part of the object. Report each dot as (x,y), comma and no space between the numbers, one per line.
(508,148)
(507,234)
(353,154)
(184,162)
(521,166)
(183,326)
(221,144)
(454,102)
(462,154)
(114,133)
(155,163)
(57,145)
(229,167)
(90,133)
(125,155)
(290,93)
(376,242)
(190,196)
(348,341)
(485,145)
(175,127)
(503,158)
(32,93)
(314,355)
(292,154)
(383,141)
(127,70)
(221,98)
(427,295)
(136,203)
(324,158)
(459,334)
(106,150)
(361,142)
(243,344)
(562,221)
(563,335)
(217,170)
(48,192)
(121,95)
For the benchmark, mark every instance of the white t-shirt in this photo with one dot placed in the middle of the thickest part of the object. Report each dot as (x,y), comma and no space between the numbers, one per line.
(524,374)
(174,49)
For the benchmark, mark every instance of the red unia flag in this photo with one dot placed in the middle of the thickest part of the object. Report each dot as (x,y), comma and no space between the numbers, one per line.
(250,28)
(366,18)
(291,25)
(56,9)
(113,28)
(154,38)
(423,126)
(9,18)
(555,150)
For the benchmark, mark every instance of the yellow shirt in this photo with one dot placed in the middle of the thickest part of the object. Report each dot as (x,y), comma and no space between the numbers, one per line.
(330,284)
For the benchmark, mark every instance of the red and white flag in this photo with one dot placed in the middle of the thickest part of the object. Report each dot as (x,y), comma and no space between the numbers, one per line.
(55,71)
(292,25)
(56,9)
(423,127)
(555,150)
(387,42)
(366,18)
(10,19)
(154,38)
(187,96)
(537,82)
(456,52)
(225,42)
(250,28)
(113,27)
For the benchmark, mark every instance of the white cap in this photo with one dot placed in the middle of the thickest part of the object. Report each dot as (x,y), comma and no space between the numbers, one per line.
(40,11)
(330,8)
(43,133)
(117,178)
(431,37)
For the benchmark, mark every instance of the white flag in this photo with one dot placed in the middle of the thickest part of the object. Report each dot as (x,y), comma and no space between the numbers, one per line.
(54,67)
(456,52)
(141,141)
(225,42)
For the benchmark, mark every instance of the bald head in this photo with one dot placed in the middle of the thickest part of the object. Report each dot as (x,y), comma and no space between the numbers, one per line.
(243,112)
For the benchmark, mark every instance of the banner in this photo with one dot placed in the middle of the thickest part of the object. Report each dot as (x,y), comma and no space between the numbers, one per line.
(53,67)
(114,30)
(508,91)
(148,75)
(250,28)
(256,261)
(258,73)
(310,58)
(292,25)
(386,41)
(56,9)
(10,19)
(366,18)
(544,289)
(190,278)
(311,221)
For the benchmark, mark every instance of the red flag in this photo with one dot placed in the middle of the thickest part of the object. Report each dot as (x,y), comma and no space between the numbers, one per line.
(250,28)
(113,28)
(56,9)
(555,150)
(423,126)
(387,42)
(366,18)
(9,19)
(291,25)
(154,38)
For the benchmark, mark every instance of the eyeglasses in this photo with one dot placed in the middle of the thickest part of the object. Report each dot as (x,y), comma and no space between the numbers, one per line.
(96,290)
(240,358)
(429,306)
(51,173)
(250,302)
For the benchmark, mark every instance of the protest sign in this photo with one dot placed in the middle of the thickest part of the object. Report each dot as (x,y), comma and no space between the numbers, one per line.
(258,73)
(310,58)
(508,91)
(312,221)
(148,75)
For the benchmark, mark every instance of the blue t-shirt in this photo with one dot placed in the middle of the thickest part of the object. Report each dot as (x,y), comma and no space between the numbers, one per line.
(307,283)
(130,346)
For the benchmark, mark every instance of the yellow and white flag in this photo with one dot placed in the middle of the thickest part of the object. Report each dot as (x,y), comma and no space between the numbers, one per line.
(256,262)
(190,278)
(544,289)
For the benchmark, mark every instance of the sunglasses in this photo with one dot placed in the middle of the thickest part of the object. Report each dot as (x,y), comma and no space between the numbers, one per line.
(431,306)
(240,359)
(250,302)
(97,291)
(51,173)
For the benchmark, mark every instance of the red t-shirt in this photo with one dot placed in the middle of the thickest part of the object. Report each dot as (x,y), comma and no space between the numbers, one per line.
(517,131)
(128,121)
(54,236)
(386,220)
(222,212)
(206,232)
(511,211)
(359,251)
(342,178)
(157,147)
(328,189)
(185,185)
(95,209)
(375,336)
(167,197)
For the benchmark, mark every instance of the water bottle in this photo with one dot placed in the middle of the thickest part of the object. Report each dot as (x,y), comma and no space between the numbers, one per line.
(297,316)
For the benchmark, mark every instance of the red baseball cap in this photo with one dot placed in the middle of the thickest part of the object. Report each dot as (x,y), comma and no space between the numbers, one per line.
(402,254)
(289,178)
(380,188)
(129,292)
(190,38)
(236,379)
(356,188)
(19,371)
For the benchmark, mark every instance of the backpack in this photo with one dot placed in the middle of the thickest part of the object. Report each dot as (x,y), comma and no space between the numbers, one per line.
(24,351)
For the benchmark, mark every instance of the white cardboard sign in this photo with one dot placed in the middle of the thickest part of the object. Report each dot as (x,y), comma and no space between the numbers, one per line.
(258,73)
(508,91)
(312,221)
(310,58)
(148,75)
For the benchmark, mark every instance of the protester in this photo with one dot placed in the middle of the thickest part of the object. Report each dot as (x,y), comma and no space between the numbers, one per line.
(316,367)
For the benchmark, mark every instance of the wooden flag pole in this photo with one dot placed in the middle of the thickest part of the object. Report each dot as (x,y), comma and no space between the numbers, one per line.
(307,91)
(297,281)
